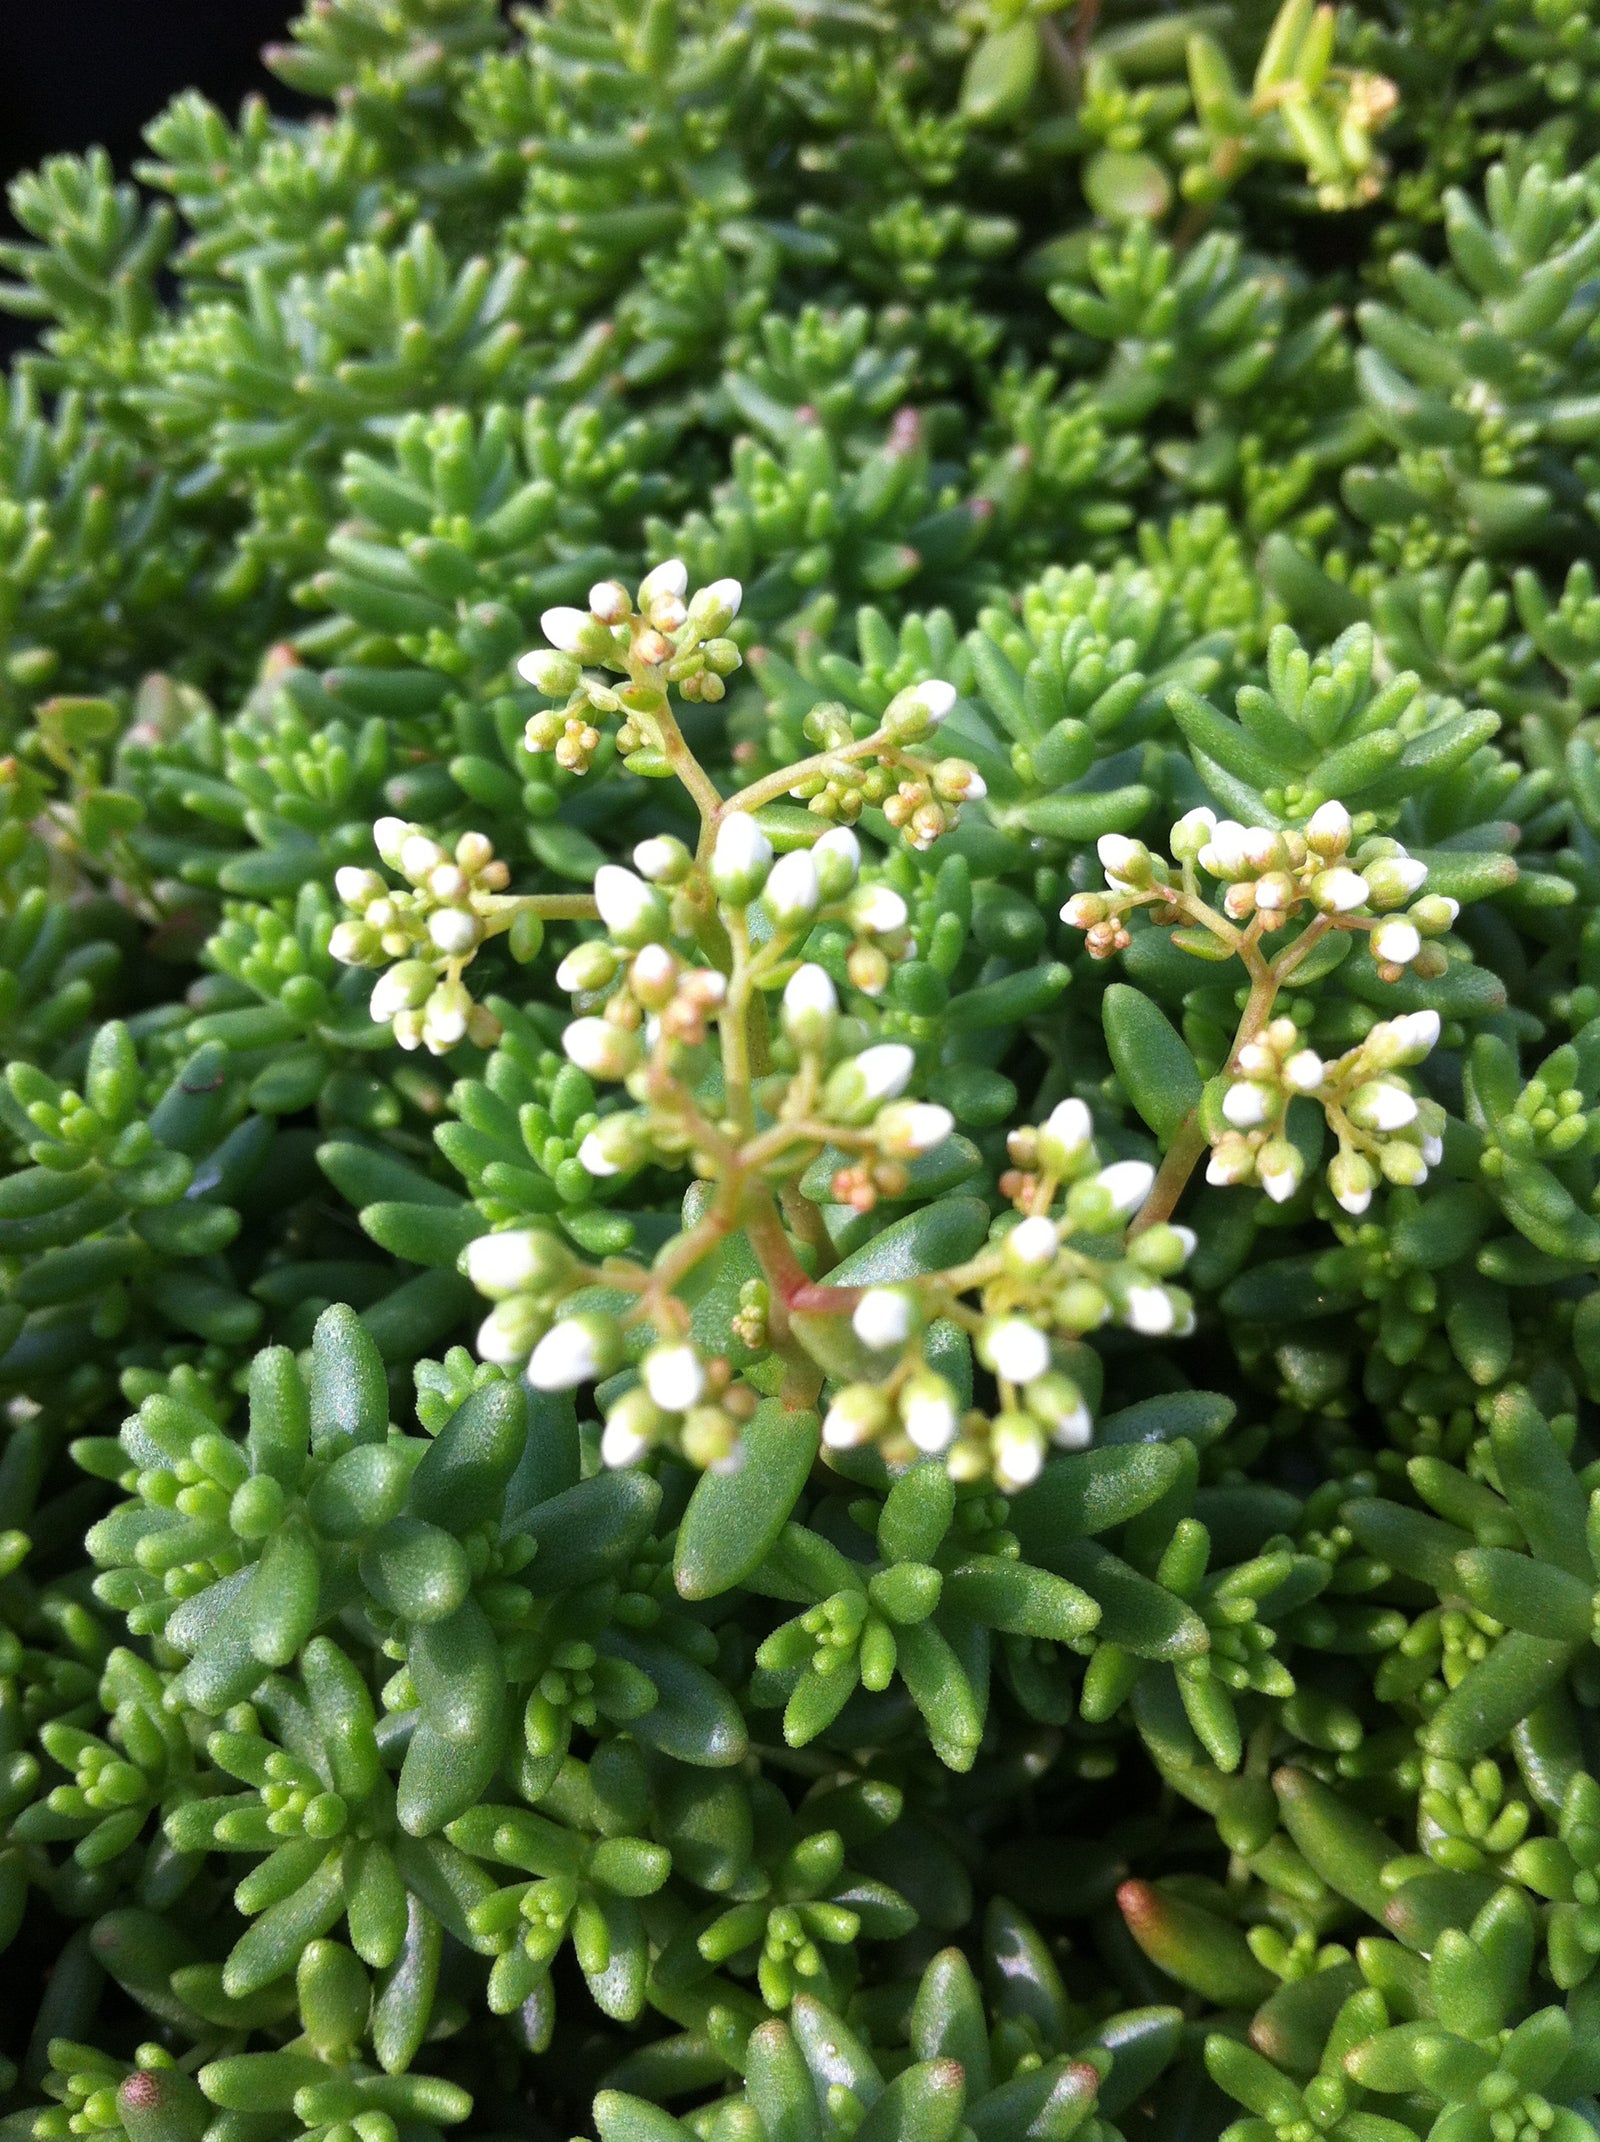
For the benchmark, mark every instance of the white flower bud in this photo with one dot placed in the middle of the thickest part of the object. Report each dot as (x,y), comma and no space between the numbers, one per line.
(907,1128)
(714,608)
(1405,1039)
(1393,878)
(593,1158)
(510,1331)
(928,1413)
(630,909)
(1031,1245)
(601,1049)
(356,887)
(1245,1106)
(550,670)
(1127,1183)
(388,836)
(1014,1349)
(674,1376)
(608,601)
(1280,1169)
(837,856)
(1192,833)
(1328,829)
(1065,1136)
(793,891)
(883,1318)
(348,943)
(572,632)
(663,859)
(858,1413)
(741,858)
(511,1263)
(1018,1454)
(1125,862)
(401,988)
(621,1445)
(1339,891)
(921,707)
(445,1017)
(669,578)
(1381,1105)
(877,911)
(810,1007)
(885,1069)
(1304,1071)
(1224,855)
(1150,1310)
(1351,1179)
(1403,1164)
(420,856)
(586,968)
(1231,1161)
(580,1349)
(1395,944)
(454,931)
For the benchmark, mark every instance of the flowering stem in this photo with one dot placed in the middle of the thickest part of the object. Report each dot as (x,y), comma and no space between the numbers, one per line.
(772,788)
(689,771)
(1184,1153)
(552,907)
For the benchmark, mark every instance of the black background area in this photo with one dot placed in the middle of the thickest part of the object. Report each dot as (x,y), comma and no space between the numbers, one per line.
(74,73)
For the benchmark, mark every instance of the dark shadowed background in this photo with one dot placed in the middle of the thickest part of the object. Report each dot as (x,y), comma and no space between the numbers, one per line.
(76,72)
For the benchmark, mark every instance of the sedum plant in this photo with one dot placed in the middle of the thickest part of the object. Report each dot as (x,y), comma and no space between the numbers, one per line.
(800,1199)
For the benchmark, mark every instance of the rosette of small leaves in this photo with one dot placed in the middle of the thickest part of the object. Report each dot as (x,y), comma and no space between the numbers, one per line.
(150,2099)
(1248,330)
(253,203)
(918,1614)
(298,1013)
(1300,109)
(1537,1140)
(236,1553)
(125,1202)
(1477,377)
(114,1780)
(284,793)
(801,1906)
(800,517)
(1517,1557)
(813,2071)
(1464,2050)
(387,314)
(476,524)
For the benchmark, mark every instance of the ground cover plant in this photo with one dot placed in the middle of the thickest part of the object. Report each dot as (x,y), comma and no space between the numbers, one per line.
(800,980)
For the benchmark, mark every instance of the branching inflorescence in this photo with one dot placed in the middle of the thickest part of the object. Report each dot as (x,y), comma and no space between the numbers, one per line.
(800,1213)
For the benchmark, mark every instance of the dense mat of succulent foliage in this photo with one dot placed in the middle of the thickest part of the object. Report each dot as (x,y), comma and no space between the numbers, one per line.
(800,975)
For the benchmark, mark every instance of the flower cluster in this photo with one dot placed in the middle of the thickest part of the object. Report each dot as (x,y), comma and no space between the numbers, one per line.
(452,901)
(658,641)
(1269,878)
(1385,1132)
(920,797)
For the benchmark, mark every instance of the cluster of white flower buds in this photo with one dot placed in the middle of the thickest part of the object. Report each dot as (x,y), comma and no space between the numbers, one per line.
(451,902)
(656,639)
(1385,1132)
(641,986)
(919,796)
(526,1272)
(1036,1290)
(682,1399)
(1269,877)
